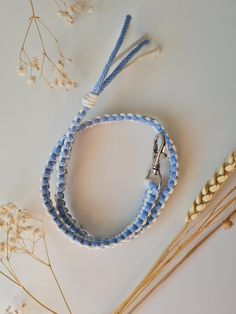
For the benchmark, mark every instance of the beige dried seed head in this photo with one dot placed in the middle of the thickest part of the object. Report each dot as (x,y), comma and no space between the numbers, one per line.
(211,187)
(76,7)
(31,80)
(35,63)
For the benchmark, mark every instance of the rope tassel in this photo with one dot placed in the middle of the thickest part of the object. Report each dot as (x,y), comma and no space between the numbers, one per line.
(106,79)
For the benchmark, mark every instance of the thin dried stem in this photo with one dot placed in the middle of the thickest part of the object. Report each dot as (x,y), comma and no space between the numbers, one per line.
(54,276)
(37,300)
(188,240)
(36,66)
(21,233)
(175,267)
(20,285)
(9,278)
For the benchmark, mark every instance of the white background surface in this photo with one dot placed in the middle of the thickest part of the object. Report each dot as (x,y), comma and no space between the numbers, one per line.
(190,88)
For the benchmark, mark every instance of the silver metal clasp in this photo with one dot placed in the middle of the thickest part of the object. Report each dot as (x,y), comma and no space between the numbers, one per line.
(158,153)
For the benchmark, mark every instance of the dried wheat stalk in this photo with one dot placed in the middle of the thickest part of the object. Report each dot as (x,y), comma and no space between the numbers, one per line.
(199,226)
(211,187)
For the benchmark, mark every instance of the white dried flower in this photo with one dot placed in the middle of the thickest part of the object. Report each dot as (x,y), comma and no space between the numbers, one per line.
(90,9)
(11,310)
(54,83)
(31,80)
(37,230)
(10,217)
(66,15)
(61,13)
(70,19)
(24,214)
(3,247)
(12,240)
(35,63)
(62,82)
(12,249)
(70,84)
(60,64)
(76,7)
(22,70)
(12,206)
(67,60)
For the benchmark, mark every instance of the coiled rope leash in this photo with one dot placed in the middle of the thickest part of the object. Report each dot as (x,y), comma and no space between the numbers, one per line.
(155,194)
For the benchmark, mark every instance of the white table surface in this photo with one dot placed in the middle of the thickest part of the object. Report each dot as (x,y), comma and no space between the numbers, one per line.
(190,88)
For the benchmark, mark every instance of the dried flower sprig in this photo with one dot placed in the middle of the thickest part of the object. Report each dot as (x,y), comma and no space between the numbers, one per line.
(19,310)
(22,233)
(70,12)
(196,231)
(35,68)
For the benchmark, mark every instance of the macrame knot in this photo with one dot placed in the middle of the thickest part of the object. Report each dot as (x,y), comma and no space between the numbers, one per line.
(89,100)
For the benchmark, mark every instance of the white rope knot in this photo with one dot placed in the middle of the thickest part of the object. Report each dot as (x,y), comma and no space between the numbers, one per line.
(89,100)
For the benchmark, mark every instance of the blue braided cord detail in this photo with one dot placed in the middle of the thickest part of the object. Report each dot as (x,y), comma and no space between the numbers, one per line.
(105,80)
(152,202)
(122,64)
(112,57)
(153,199)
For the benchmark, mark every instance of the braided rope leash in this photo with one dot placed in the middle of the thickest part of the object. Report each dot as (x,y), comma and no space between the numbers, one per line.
(211,187)
(155,194)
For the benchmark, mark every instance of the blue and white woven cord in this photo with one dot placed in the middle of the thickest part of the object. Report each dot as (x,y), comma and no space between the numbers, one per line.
(155,196)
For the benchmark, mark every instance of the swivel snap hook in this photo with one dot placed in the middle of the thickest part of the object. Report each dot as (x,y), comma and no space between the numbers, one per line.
(158,153)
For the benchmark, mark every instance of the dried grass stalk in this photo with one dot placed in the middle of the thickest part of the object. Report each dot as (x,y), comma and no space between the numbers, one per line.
(201,224)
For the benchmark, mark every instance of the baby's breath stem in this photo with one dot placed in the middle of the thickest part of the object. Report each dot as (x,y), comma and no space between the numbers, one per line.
(57,4)
(20,285)
(42,65)
(26,35)
(34,66)
(60,289)
(7,242)
(45,80)
(53,64)
(38,259)
(36,300)
(9,278)
(10,271)
(32,7)
(26,55)
(55,277)
(53,36)
(20,232)
(39,32)
(34,256)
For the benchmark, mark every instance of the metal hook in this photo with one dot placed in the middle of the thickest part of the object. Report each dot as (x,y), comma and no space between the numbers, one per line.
(158,153)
